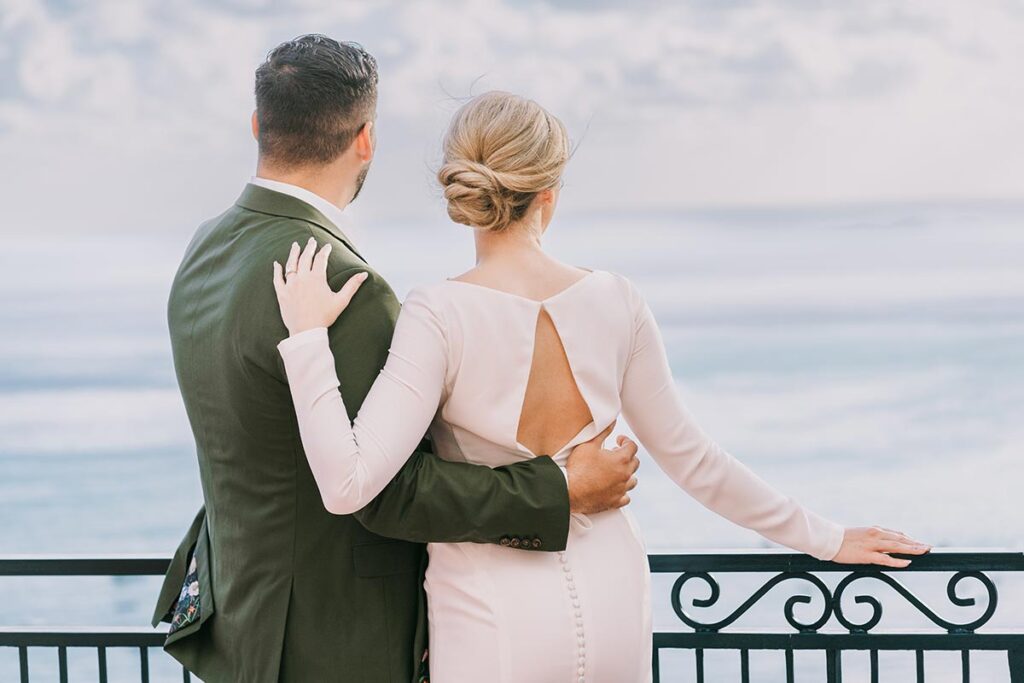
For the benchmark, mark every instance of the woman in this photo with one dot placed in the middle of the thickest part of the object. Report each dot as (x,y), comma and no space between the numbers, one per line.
(519,356)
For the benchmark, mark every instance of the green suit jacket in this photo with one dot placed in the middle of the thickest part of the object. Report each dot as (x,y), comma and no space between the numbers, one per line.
(267,585)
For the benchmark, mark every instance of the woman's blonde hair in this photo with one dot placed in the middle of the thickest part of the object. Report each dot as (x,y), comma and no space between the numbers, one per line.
(499,152)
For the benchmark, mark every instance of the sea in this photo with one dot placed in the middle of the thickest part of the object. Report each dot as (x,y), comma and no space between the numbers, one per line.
(867,360)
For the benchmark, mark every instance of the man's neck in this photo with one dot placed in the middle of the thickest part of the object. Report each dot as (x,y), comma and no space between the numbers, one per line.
(318,181)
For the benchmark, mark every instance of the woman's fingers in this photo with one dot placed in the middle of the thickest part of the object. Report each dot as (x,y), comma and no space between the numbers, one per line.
(888,560)
(292,264)
(907,544)
(896,532)
(310,302)
(912,549)
(892,534)
(899,547)
(306,258)
(320,261)
(914,542)
(278,278)
(880,542)
(907,549)
(900,536)
(874,544)
(348,290)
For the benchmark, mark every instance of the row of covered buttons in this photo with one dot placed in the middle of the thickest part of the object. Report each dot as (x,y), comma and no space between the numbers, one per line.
(581,644)
(518,542)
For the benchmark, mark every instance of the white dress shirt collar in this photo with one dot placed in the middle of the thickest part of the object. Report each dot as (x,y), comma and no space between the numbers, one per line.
(330,211)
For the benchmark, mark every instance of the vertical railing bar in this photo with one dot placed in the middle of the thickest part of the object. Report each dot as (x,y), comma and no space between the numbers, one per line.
(62,663)
(965,662)
(920,666)
(700,664)
(656,665)
(187,677)
(789,666)
(874,666)
(744,666)
(144,664)
(23,663)
(101,662)
(834,666)
(1015,660)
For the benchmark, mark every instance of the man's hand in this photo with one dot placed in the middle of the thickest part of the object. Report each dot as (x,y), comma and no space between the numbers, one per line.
(600,479)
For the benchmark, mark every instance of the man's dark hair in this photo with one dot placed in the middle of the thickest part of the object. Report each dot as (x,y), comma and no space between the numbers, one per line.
(313,96)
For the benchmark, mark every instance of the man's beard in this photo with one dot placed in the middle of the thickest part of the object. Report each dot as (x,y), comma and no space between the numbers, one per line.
(360,179)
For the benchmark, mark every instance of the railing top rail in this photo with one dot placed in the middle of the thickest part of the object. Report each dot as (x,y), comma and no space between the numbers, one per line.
(84,565)
(945,559)
(49,557)
(80,636)
(725,560)
(81,630)
(820,640)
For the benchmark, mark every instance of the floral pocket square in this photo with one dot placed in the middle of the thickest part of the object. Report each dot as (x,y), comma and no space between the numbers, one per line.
(186,610)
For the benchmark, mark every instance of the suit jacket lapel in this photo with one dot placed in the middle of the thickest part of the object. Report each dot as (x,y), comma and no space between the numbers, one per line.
(263,200)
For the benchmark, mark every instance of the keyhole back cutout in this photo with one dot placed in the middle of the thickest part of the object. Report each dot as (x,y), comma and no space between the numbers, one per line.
(553,411)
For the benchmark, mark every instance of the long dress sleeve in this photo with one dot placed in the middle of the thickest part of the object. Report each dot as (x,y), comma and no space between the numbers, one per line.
(654,410)
(353,462)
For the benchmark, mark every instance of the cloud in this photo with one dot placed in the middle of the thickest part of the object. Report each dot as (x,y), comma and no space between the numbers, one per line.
(677,104)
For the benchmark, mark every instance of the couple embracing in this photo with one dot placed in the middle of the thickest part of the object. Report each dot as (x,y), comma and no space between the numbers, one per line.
(396,493)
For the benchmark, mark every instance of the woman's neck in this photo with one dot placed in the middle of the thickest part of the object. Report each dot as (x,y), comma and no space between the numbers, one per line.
(517,243)
(514,261)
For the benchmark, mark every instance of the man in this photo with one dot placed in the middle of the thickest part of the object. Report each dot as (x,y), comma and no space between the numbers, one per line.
(267,585)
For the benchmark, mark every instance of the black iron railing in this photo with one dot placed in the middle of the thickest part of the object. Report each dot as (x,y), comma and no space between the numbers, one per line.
(831,631)
(98,638)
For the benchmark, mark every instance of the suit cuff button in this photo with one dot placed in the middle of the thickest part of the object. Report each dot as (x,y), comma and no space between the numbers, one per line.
(536,544)
(504,541)
(515,543)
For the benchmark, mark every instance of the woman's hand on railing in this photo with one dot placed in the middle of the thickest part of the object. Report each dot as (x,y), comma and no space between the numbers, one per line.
(871,545)
(306,300)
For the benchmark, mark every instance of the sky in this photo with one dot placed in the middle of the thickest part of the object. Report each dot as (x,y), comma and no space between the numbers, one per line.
(134,115)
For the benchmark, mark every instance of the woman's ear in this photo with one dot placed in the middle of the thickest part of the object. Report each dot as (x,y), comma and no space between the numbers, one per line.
(546,196)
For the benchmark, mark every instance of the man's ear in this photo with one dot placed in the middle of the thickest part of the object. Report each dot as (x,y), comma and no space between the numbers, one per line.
(364,143)
(255,126)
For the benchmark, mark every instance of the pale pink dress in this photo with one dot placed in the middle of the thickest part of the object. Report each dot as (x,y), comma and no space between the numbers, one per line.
(459,365)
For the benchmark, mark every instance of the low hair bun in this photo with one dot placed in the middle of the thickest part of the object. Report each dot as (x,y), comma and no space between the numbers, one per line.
(499,152)
(475,195)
